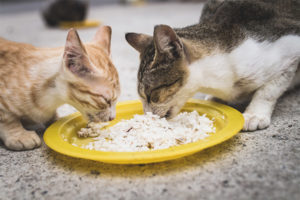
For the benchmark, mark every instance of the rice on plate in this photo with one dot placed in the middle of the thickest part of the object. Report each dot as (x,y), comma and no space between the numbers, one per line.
(148,132)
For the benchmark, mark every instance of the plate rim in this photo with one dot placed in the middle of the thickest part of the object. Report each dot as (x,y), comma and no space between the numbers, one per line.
(52,138)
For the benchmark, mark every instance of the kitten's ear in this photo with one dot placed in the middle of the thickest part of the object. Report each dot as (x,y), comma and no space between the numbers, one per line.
(73,43)
(103,37)
(75,55)
(138,41)
(166,40)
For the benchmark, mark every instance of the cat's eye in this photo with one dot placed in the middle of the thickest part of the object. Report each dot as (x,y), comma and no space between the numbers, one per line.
(154,97)
(148,99)
(163,92)
(107,101)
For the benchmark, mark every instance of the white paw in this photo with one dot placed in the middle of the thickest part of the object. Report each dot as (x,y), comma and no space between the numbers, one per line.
(23,141)
(255,122)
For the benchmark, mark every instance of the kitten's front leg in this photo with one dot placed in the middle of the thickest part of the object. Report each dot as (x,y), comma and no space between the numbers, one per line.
(259,111)
(15,137)
(53,119)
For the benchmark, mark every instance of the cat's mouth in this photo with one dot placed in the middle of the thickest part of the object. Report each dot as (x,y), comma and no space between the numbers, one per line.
(99,118)
(93,118)
(90,117)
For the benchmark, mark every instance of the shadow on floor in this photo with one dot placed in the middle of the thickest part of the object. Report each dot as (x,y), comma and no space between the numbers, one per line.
(84,167)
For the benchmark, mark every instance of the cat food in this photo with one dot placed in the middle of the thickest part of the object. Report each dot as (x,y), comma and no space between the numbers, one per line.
(148,132)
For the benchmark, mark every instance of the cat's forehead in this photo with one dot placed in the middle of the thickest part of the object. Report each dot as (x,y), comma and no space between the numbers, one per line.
(101,60)
(147,56)
(98,56)
(153,73)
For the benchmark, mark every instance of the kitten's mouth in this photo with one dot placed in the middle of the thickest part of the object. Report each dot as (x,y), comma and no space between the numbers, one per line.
(92,118)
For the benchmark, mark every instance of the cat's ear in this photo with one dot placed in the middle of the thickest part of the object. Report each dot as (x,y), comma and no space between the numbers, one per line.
(75,55)
(138,41)
(103,37)
(166,40)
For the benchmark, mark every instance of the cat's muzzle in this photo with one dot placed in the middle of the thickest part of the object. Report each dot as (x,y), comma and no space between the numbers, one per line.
(100,117)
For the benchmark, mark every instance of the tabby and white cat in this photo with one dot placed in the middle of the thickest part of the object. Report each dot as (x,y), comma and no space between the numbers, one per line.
(35,81)
(241,50)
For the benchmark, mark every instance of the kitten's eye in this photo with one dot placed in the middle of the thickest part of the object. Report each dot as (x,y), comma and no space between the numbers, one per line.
(107,101)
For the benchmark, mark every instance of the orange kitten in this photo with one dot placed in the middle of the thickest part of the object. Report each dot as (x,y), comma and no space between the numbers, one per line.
(35,81)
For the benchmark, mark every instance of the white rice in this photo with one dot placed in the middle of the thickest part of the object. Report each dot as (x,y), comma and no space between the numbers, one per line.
(148,132)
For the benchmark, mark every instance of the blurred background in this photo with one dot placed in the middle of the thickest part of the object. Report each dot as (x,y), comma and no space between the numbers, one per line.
(11,6)
(24,21)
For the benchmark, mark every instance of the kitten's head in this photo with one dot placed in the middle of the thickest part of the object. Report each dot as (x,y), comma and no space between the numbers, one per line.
(163,71)
(91,79)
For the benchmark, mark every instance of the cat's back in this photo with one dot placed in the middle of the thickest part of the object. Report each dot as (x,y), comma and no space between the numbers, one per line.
(250,9)
(227,23)
(12,47)
(14,52)
(262,18)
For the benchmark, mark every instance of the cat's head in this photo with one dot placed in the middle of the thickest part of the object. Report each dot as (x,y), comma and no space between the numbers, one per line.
(92,82)
(163,71)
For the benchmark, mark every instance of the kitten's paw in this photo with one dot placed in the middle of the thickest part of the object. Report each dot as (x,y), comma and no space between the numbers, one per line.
(23,141)
(255,122)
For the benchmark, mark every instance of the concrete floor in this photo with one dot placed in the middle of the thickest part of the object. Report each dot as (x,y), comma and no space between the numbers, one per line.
(256,165)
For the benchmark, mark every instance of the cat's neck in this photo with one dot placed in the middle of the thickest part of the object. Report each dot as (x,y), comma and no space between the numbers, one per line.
(49,88)
(195,50)
(210,70)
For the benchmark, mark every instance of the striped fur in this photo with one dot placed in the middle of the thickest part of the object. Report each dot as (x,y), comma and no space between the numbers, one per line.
(35,81)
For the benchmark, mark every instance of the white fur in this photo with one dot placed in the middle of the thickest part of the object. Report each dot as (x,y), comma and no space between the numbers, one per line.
(268,68)
(53,97)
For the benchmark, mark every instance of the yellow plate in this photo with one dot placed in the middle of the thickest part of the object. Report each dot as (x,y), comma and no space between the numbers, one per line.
(62,134)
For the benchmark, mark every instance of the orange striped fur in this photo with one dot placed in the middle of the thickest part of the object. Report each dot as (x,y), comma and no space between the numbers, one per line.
(35,81)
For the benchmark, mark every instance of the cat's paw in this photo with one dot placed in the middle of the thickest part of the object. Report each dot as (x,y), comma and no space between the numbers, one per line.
(255,122)
(23,141)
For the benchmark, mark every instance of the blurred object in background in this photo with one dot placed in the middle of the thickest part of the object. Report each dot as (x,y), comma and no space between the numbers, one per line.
(65,11)
(133,2)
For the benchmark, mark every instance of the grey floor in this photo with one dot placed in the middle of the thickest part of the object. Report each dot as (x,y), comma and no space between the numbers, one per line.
(252,165)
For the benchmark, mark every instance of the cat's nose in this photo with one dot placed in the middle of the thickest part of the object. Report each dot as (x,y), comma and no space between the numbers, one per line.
(90,117)
(168,113)
(111,118)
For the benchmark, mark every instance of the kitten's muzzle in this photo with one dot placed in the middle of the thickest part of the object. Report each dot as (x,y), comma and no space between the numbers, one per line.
(111,118)
(100,117)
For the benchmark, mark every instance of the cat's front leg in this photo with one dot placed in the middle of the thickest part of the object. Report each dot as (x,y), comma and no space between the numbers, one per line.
(258,113)
(15,137)
(53,119)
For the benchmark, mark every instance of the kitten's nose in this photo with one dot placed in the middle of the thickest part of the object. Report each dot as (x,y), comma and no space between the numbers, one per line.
(111,118)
